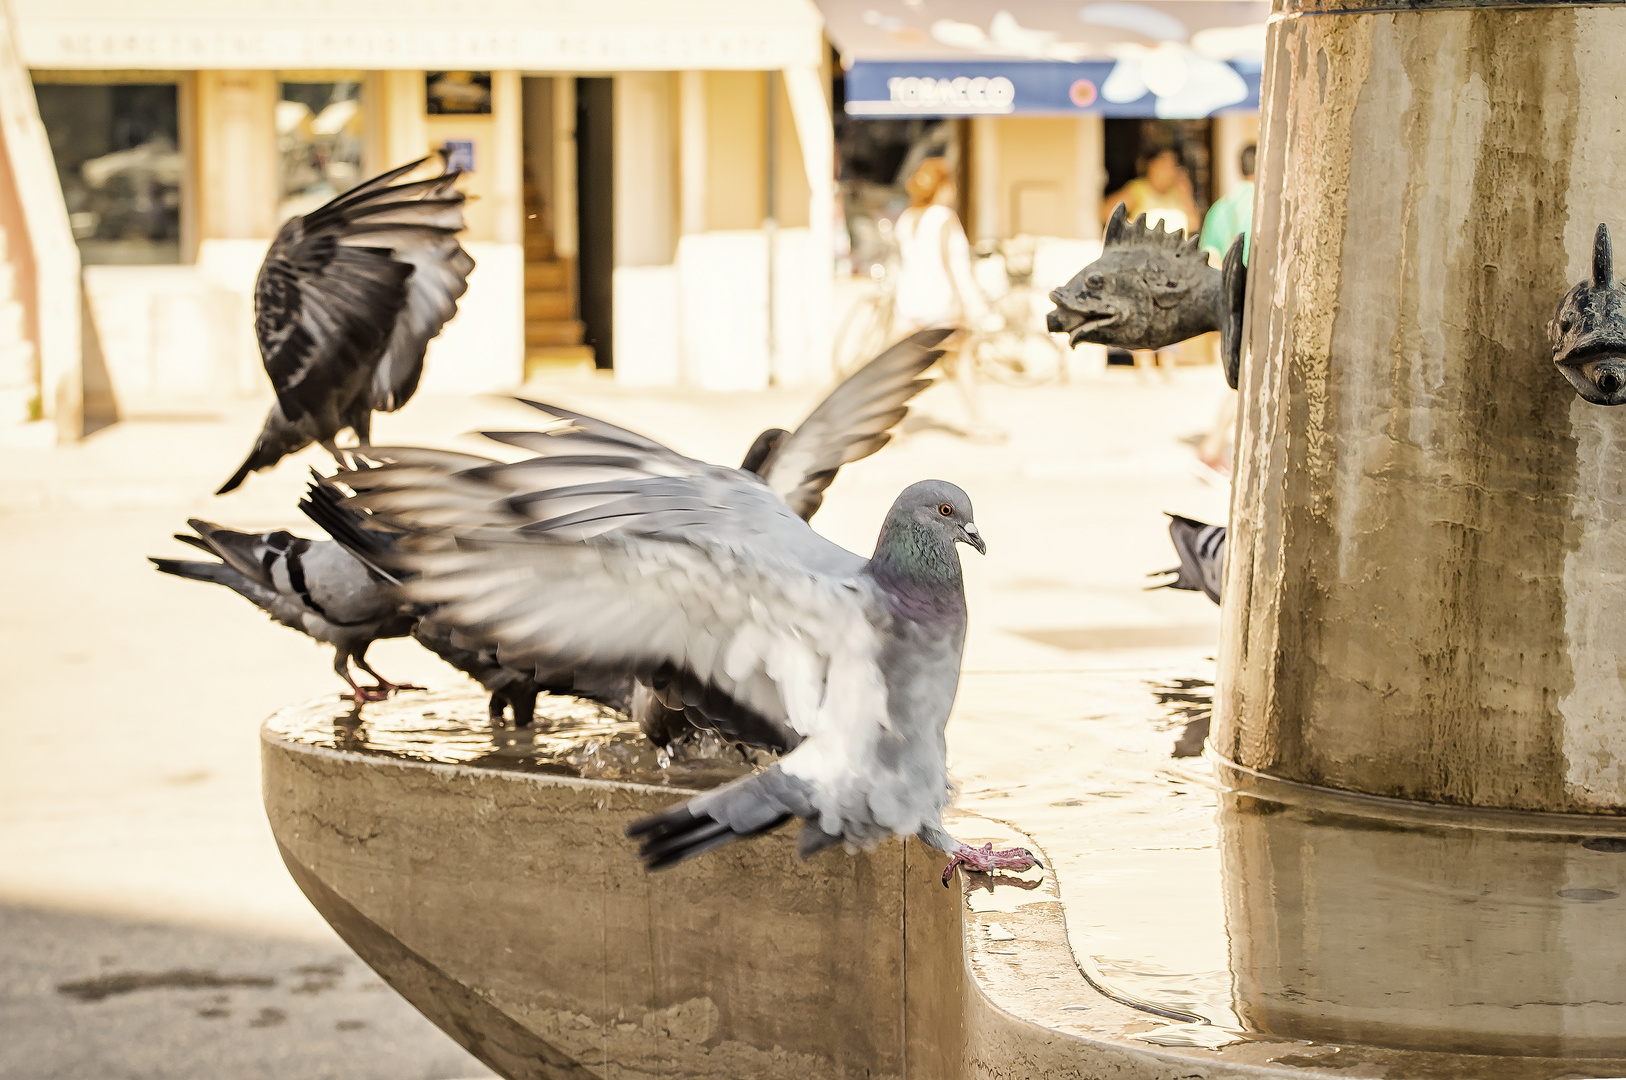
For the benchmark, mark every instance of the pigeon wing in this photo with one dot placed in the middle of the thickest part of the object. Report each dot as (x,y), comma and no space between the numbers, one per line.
(706,584)
(336,309)
(420,223)
(853,422)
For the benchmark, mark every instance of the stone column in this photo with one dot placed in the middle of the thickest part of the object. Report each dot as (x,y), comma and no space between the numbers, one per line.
(1423,596)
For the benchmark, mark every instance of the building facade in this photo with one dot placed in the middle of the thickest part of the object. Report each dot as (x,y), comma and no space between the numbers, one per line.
(637,168)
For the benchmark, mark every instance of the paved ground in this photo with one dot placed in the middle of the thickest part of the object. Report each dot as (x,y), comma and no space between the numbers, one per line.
(147,927)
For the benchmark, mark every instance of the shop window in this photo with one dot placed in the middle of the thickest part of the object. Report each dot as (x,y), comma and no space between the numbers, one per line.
(320,136)
(118,158)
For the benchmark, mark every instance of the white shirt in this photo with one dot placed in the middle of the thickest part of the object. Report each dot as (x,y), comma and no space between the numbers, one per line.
(935,287)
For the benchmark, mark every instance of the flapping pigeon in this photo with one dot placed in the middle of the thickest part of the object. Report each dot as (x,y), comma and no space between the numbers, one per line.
(593,557)
(512,690)
(345,305)
(1201,548)
(854,421)
(851,423)
(316,588)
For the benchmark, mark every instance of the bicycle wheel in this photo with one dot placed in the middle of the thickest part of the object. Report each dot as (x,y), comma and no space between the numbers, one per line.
(1018,357)
(864,332)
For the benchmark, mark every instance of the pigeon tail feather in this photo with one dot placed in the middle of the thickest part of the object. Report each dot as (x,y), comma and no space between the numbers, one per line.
(746,807)
(1201,548)
(219,574)
(238,477)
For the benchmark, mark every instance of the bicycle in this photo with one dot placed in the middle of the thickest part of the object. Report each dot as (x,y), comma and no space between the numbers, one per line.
(867,328)
(1011,347)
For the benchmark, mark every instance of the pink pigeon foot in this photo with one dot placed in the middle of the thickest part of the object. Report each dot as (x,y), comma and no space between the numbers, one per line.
(986,859)
(385,689)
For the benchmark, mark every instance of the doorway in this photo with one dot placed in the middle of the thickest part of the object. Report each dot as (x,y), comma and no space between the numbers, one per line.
(595,211)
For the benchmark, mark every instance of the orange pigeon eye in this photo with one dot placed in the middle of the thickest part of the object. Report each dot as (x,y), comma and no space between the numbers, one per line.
(945,509)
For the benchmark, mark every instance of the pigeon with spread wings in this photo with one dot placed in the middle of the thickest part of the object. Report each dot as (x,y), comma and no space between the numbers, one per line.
(345,305)
(599,558)
(852,422)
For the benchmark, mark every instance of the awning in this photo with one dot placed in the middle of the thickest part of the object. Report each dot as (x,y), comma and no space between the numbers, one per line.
(374,35)
(1165,58)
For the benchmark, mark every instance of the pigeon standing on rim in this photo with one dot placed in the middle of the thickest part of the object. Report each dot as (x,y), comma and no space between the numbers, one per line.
(315,587)
(345,304)
(701,577)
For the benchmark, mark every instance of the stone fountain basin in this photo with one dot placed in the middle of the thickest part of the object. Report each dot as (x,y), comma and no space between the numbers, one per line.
(485,876)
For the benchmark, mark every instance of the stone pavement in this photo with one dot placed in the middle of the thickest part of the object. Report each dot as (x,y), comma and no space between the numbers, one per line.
(147,926)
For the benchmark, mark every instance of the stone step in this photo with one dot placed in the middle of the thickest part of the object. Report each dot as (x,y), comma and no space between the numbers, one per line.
(552,361)
(548,306)
(554,332)
(547,275)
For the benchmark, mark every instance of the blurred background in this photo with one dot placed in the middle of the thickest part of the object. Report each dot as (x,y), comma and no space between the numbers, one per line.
(685,220)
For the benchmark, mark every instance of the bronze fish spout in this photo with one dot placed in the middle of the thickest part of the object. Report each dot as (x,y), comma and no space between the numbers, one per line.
(1152,288)
(1588,333)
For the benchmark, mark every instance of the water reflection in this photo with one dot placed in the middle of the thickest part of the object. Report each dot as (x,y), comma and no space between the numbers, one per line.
(1423,928)
(1273,911)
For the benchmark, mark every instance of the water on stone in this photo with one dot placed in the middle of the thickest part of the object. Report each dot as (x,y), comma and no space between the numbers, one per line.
(569,737)
(1258,910)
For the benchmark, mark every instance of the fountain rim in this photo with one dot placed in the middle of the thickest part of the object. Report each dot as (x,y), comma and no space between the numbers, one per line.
(1233,778)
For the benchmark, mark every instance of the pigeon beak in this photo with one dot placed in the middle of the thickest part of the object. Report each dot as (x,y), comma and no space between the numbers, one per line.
(973,536)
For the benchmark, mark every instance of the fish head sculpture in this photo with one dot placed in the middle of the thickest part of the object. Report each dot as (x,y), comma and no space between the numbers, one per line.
(1150,288)
(1588,333)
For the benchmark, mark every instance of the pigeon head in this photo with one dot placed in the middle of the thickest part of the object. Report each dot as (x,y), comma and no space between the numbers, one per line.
(762,449)
(938,509)
(1588,334)
(915,561)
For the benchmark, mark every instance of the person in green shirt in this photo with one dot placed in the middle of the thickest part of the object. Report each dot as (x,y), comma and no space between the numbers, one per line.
(1227,218)
(1233,214)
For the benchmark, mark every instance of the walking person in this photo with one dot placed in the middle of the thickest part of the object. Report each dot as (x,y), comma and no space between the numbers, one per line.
(935,286)
(1164,194)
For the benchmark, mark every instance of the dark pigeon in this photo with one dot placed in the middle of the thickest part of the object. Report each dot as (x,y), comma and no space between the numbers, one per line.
(1201,548)
(596,558)
(315,587)
(346,302)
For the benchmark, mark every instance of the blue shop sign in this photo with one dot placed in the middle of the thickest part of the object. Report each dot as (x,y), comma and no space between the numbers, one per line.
(1168,82)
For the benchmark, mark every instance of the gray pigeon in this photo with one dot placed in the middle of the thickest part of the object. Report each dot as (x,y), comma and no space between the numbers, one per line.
(317,588)
(1201,548)
(702,578)
(345,305)
(851,423)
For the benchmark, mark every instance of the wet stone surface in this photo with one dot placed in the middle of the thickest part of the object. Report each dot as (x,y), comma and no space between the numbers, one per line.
(569,737)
